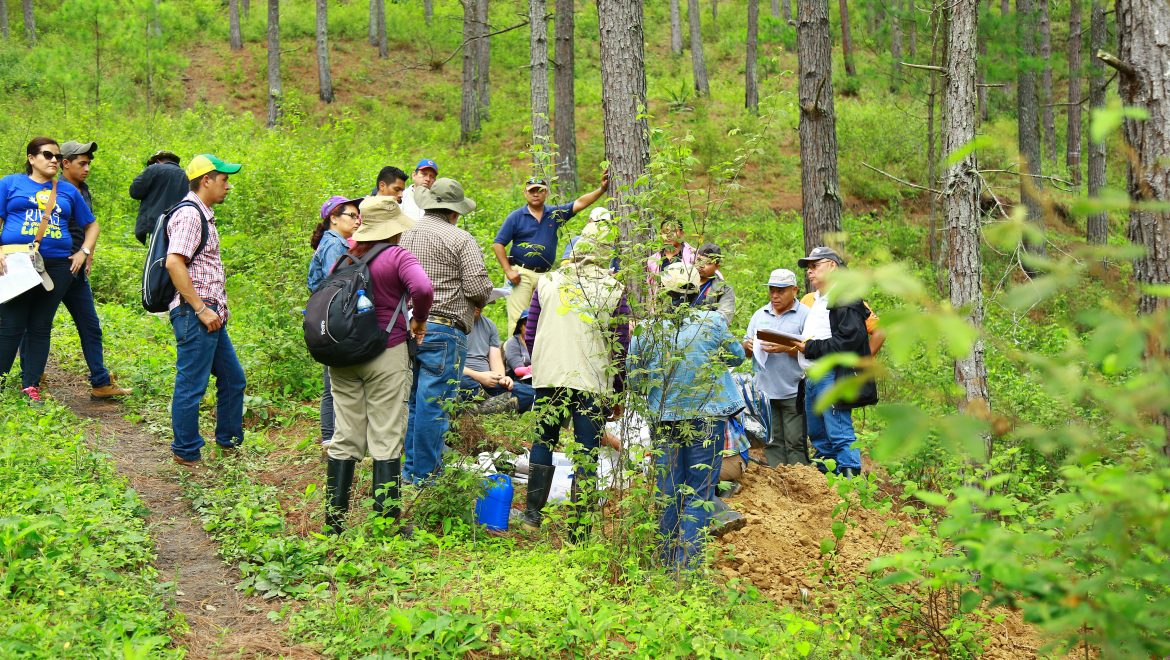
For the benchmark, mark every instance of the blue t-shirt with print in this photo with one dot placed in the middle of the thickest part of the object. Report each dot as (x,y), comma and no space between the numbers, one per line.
(534,243)
(22,199)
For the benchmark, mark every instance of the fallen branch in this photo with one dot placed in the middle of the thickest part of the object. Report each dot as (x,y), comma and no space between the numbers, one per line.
(901,181)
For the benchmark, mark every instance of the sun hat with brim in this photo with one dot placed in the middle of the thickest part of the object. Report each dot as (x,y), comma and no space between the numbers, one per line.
(72,149)
(600,214)
(819,254)
(782,278)
(381,219)
(335,202)
(445,195)
(206,163)
(680,278)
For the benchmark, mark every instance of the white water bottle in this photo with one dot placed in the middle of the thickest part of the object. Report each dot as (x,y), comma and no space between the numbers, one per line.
(364,304)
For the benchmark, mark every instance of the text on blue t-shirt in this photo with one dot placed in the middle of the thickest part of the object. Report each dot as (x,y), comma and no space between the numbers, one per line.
(23,199)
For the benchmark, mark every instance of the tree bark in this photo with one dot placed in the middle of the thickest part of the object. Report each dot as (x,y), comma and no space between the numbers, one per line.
(775,8)
(1072,152)
(428,10)
(675,28)
(237,39)
(698,62)
(469,116)
(372,33)
(846,40)
(896,49)
(4,19)
(623,105)
(538,81)
(565,98)
(751,86)
(247,5)
(324,78)
(1029,120)
(984,110)
(786,8)
(1143,27)
(274,90)
(1048,113)
(961,197)
(484,60)
(911,30)
(30,23)
(820,191)
(383,40)
(714,10)
(1097,229)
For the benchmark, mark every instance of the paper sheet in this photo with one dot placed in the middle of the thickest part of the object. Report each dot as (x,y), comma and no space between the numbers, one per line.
(758,353)
(20,276)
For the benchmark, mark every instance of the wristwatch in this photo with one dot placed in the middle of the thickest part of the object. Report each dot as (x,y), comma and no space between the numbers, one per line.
(87,251)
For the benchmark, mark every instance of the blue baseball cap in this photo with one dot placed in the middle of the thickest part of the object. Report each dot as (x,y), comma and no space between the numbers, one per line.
(427,162)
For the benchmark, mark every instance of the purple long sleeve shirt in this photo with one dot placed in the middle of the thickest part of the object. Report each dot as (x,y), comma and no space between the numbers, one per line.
(619,323)
(394,273)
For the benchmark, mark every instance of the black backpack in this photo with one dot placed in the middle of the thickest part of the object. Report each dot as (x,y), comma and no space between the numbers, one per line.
(157,289)
(336,335)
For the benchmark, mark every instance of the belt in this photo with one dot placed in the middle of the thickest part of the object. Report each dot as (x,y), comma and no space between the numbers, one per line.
(443,320)
(540,269)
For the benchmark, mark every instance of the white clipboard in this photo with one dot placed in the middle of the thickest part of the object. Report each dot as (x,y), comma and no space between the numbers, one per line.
(19,277)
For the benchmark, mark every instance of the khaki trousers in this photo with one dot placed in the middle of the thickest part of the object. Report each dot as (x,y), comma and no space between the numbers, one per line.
(521,297)
(370,404)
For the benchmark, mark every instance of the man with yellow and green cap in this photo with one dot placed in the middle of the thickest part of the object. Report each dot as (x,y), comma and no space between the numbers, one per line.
(199,315)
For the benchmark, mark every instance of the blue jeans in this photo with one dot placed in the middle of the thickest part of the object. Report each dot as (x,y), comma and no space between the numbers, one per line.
(79,301)
(688,473)
(327,409)
(437,372)
(26,322)
(831,433)
(469,388)
(588,426)
(201,354)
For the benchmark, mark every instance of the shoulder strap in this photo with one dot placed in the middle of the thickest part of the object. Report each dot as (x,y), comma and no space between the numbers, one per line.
(45,215)
(366,258)
(397,311)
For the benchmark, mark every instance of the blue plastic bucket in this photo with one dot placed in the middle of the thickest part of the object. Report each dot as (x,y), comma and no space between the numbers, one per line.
(493,508)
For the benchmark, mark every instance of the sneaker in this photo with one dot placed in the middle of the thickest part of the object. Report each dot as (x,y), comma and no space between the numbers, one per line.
(109,391)
(183,461)
(33,394)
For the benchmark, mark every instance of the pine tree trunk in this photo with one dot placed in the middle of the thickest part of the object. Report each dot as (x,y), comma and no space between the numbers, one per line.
(565,98)
(911,19)
(961,196)
(751,86)
(1046,98)
(428,10)
(1005,7)
(984,110)
(30,23)
(1072,152)
(1097,229)
(484,60)
(714,10)
(775,8)
(372,33)
(324,78)
(820,191)
(469,109)
(237,39)
(675,28)
(698,62)
(4,19)
(1029,120)
(247,5)
(274,90)
(1143,28)
(623,102)
(786,7)
(383,40)
(846,40)
(538,81)
(896,49)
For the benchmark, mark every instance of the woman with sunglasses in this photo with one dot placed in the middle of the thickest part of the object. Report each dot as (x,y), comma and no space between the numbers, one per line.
(339,220)
(24,202)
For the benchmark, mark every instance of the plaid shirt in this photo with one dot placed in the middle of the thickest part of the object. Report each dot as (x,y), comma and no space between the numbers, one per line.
(454,262)
(206,269)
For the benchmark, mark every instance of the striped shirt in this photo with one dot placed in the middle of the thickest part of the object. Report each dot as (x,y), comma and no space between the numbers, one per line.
(184,229)
(454,262)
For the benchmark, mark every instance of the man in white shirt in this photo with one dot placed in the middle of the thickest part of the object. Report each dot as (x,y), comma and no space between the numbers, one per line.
(424,176)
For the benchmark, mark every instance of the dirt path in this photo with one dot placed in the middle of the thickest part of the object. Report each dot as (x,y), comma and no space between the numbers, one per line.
(222,621)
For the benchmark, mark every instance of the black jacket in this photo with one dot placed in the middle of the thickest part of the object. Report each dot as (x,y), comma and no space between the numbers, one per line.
(847,323)
(158,188)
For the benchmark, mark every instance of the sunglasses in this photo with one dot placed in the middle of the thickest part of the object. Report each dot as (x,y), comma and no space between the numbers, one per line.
(355,216)
(49,155)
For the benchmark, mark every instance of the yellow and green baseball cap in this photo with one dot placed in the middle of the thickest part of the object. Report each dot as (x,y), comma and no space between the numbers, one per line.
(204,163)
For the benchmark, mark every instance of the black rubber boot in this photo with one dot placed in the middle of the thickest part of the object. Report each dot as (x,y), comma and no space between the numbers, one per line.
(582,523)
(540,479)
(338,482)
(387,486)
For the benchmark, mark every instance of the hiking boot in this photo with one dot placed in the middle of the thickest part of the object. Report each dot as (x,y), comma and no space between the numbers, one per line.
(33,395)
(108,391)
(850,472)
(725,519)
(338,482)
(186,462)
(498,404)
(540,479)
